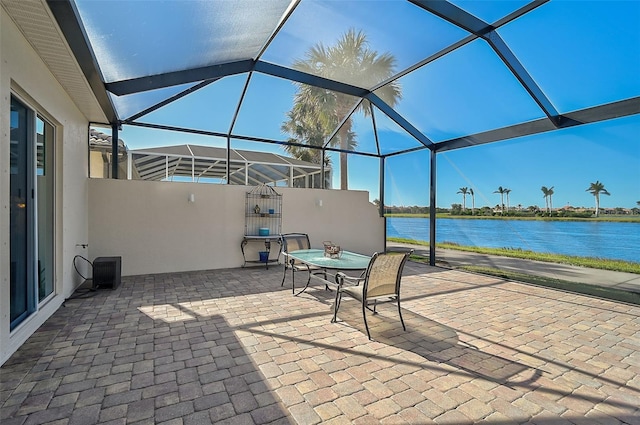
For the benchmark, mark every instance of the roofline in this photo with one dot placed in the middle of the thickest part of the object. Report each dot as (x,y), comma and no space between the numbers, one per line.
(68,20)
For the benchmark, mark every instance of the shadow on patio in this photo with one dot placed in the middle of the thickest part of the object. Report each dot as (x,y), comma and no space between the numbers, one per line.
(233,346)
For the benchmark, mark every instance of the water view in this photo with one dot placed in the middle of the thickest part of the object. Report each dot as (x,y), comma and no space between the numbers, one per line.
(611,240)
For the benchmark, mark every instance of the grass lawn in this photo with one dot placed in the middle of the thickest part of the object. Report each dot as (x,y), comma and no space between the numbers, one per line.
(594,263)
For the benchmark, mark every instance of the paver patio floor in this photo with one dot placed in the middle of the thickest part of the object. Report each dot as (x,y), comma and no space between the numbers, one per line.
(233,346)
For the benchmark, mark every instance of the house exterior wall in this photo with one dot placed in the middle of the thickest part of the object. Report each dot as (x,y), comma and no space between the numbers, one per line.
(25,75)
(155,229)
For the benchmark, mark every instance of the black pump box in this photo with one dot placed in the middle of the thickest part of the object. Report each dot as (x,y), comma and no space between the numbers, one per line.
(107,272)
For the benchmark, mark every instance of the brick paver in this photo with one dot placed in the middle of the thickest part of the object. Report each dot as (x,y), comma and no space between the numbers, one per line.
(233,346)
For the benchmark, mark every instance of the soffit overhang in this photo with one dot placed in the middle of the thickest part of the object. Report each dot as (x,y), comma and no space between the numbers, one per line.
(36,23)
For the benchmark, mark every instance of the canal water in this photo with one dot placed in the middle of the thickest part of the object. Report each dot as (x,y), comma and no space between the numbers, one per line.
(599,239)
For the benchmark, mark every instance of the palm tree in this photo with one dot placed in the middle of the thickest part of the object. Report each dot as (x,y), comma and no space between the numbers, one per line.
(548,192)
(473,201)
(306,129)
(464,192)
(507,192)
(596,189)
(547,197)
(501,191)
(317,111)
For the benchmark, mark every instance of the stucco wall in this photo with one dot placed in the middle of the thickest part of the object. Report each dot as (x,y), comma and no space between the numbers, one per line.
(155,229)
(24,74)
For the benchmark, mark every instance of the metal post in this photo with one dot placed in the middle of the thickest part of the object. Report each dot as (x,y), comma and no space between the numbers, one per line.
(166,167)
(129,165)
(322,185)
(114,150)
(381,207)
(432,210)
(229,160)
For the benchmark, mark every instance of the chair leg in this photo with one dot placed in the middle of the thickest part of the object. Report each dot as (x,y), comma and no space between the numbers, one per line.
(336,306)
(364,316)
(309,273)
(284,275)
(400,313)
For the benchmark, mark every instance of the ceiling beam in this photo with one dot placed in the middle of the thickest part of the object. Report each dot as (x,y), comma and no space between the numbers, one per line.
(158,81)
(595,114)
(455,15)
(309,79)
(168,101)
(523,76)
(463,19)
(399,119)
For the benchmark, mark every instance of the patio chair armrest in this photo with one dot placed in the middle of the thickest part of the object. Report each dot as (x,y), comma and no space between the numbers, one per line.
(342,279)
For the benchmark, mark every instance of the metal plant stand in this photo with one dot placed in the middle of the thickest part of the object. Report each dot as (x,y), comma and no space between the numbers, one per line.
(263,223)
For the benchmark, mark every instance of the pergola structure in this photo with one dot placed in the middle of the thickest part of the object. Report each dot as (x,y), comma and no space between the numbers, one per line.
(140,59)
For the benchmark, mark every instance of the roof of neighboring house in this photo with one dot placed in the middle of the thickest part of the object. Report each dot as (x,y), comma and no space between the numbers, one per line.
(211,162)
(101,141)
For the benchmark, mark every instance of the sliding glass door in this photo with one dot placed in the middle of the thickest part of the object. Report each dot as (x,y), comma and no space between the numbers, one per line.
(22,237)
(31,211)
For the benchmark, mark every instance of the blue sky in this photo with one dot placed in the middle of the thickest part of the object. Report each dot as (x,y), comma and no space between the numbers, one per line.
(580,54)
(569,160)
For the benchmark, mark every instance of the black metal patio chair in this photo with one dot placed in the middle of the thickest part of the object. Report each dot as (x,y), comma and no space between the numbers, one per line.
(294,242)
(381,281)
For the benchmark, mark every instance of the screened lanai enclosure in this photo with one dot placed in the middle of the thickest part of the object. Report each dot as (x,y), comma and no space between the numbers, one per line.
(350,85)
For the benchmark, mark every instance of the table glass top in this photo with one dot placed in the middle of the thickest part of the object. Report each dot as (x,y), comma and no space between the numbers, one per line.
(347,261)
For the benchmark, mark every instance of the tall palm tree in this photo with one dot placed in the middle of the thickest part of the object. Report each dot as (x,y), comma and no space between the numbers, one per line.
(501,191)
(473,201)
(547,197)
(596,189)
(305,128)
(507,192)
(351,61)
(545,194)
(464,191)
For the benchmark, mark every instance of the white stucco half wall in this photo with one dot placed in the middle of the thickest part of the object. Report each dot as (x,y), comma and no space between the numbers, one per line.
(155,229)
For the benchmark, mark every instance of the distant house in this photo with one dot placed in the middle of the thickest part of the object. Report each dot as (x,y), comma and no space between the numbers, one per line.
(100,153)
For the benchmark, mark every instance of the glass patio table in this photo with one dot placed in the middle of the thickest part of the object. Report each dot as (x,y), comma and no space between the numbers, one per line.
(347,261)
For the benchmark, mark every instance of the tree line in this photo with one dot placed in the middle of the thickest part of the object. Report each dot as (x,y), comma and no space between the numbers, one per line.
(596,189)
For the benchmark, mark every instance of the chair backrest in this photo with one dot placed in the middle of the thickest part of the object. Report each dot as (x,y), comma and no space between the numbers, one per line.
(384,272)
(295,241)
